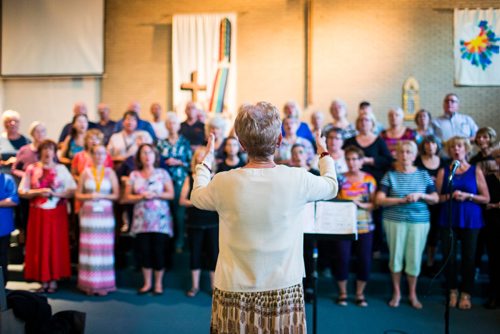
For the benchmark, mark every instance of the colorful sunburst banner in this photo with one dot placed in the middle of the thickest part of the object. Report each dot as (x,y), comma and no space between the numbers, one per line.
(477,47)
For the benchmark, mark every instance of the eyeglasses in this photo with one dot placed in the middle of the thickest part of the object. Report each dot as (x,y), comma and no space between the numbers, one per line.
(451,100)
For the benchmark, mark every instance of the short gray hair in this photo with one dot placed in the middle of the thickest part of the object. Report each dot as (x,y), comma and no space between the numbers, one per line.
(258,128)
(407,143)
(171,116)
(10,114)
(216,122)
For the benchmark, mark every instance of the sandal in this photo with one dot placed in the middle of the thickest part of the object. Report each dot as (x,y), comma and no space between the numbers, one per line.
(415,303)
(465,303)
(341,300)
(360,301)
(453,298)
(394,302)
(192,292)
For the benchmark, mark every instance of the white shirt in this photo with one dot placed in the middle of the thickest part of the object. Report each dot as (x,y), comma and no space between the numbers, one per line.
(161,131)
(260,225)
(121,144)
(462,125)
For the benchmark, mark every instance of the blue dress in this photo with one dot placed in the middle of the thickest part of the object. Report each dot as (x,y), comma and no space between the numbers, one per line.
(466,214)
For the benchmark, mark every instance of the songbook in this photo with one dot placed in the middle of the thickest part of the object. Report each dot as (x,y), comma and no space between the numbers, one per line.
(336,218)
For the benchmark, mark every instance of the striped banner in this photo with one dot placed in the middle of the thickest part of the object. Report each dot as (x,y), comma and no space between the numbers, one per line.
(221,77)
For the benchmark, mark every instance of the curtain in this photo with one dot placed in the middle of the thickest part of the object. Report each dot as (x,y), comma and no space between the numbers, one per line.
(201,43)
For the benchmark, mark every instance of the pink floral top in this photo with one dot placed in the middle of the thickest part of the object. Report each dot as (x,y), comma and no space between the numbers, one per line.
(57,178)
(151,215)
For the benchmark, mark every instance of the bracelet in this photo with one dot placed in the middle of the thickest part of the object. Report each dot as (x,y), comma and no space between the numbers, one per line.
(324,154)
(471,197)
(203,163)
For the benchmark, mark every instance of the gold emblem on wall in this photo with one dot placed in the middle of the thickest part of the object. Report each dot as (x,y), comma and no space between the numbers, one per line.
(411,98)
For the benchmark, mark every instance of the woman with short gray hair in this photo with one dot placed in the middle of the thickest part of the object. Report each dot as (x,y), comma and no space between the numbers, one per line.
(258,277)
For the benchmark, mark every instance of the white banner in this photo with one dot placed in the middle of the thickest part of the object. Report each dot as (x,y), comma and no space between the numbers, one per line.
(205,44)
(476,47)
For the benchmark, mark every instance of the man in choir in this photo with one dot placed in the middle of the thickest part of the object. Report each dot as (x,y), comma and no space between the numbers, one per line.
(158,122)
(105,124)
(452,123)
(192,128)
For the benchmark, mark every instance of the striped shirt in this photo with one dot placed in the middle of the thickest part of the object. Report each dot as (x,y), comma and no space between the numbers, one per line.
(397,184)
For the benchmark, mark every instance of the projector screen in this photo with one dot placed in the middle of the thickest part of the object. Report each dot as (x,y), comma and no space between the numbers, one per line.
(52,37)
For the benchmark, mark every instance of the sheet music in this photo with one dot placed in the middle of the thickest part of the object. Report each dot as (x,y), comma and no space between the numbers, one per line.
(330,218)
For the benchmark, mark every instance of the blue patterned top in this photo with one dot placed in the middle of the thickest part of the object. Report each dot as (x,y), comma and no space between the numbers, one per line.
(180,150)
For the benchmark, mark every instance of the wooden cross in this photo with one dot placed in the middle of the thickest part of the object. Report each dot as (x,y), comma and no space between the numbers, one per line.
(193,86)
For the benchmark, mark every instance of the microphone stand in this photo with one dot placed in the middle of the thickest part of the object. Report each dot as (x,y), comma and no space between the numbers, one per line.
(450,256)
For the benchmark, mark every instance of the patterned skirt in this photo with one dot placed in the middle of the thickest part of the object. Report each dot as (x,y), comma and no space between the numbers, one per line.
(96,273)
(274,311)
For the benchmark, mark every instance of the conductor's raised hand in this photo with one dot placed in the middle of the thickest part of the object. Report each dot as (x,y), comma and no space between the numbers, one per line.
(320,142)
(209,150)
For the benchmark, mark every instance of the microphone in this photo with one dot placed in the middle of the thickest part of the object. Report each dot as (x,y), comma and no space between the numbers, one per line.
(454,166)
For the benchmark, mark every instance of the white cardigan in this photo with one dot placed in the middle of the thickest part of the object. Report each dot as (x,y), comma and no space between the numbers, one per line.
(260,226)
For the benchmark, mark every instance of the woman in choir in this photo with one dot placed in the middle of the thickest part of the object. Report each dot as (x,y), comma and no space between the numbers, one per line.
(202,229)
(27,155)
(231,155)
(334,142)
(217,126)
(376,162)
(97,189)
(75,141)
(424,128)
(283,153)
(430,161)
(338,110)
(396,131)
(84,159)
(47,184)
(149,188)
(468,192)
(11,140)
(175,157)
(258,277)
(360,188)
(404,193)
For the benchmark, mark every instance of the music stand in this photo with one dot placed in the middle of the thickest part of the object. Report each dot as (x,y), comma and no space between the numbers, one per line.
(332,220)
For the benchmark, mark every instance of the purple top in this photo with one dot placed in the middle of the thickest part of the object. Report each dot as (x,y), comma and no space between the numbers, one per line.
(25,157)
(466,214)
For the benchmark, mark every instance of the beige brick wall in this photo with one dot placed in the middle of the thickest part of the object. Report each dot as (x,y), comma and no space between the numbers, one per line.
(361,50)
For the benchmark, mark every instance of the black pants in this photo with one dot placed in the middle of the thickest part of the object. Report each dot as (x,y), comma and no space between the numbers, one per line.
(151,248)
(468,241)
(203,239)
(492,233)
(4,255)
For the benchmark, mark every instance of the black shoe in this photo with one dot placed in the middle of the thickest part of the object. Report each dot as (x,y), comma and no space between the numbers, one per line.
(144,292)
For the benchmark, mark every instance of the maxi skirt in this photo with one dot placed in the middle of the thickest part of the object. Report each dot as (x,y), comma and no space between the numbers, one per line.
(274,311)
(47,245)
(96,261)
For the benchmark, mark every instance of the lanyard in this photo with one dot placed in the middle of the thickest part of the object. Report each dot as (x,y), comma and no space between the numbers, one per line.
(98,180)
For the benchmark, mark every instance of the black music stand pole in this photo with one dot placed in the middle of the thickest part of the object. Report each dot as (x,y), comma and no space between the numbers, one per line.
(315,284)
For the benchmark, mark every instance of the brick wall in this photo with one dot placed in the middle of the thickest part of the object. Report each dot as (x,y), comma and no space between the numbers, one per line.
(361,50)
